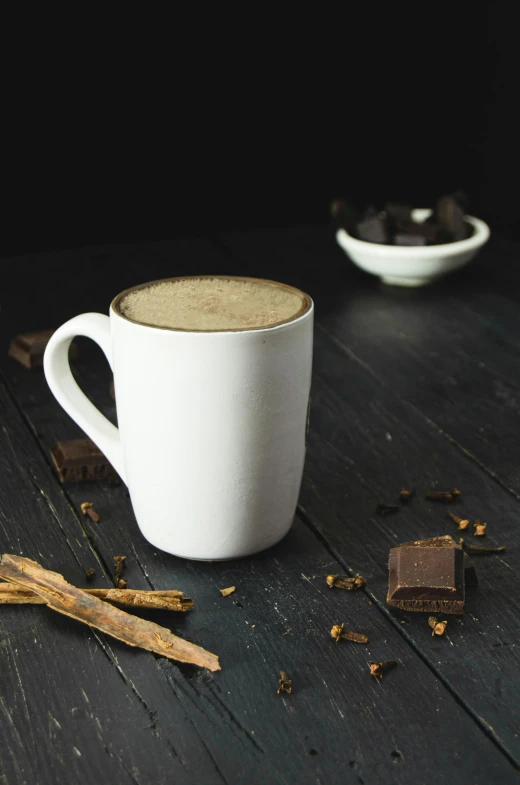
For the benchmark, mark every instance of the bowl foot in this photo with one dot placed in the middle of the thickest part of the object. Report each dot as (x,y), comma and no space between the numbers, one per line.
(390,280)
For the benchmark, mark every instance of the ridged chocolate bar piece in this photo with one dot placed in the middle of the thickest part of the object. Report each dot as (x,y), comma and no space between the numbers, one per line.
(80,460)
(28,348)
(426,578)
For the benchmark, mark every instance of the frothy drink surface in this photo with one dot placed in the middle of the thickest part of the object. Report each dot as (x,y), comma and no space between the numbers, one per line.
(211,304)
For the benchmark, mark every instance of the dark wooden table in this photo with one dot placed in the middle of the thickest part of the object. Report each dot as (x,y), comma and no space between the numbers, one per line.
(415,388)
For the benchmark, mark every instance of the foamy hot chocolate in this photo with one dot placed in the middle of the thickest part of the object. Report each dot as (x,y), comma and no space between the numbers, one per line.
(212,304)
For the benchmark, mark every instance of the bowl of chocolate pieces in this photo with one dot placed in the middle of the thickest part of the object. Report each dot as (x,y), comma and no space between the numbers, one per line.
(406,246)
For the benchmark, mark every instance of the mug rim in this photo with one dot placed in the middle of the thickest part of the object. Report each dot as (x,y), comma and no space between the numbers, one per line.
(307,307)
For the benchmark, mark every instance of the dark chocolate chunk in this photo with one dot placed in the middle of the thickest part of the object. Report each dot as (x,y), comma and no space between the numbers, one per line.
(398,212)
(444,541)
(28,348)
(428,231)
(373,230)
(81,460)
(450,216)
(344,215)
(463,199)
(409,239)
(470,573)
(428,579)
(447,541)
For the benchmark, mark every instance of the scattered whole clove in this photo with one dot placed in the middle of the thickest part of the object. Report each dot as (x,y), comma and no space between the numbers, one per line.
(119,562)
(350,584)
(87,508)
(377,668)
(386,509)
(438,627)
(463,523)
(228,591)
(90,574)
(480,528)
(480,550)
(443,496)
(284,684)
(405,495)
(338,631)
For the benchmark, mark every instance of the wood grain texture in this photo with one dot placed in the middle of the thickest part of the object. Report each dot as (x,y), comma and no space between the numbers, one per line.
(69,713)
(339,725)
(366,442)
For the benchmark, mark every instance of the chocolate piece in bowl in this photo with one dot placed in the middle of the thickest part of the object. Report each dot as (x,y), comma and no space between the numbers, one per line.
(373,230)
(450,216)
(344,215)
(398,212)
(428,579)
(400,238)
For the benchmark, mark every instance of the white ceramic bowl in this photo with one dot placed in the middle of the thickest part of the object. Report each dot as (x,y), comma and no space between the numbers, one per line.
(400,265)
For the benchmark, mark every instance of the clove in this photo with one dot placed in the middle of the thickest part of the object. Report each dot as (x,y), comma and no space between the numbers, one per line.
(284,684)
(386,509)
(463,523)
(377,668)
(438,627)
(350,584)
(87,508)
(480,528)
(443,496)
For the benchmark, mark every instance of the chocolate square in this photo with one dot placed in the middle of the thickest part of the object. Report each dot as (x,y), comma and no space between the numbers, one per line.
(425,578)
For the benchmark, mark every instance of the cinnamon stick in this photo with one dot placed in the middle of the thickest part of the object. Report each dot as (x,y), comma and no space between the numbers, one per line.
(12,594)
(64,598)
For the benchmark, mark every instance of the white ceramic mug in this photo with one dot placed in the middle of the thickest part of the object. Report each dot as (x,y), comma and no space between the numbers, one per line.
(212,425)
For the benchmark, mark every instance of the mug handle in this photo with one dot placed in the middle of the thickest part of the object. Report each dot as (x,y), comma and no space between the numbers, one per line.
(65,389)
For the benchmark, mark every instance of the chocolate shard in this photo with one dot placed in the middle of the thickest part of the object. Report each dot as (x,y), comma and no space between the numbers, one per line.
(398,212)
(28,348)
(428,231)
(470,573)
(409,239)
(344,215)
(373,230)
(81,459)
(428,579)
(450,216)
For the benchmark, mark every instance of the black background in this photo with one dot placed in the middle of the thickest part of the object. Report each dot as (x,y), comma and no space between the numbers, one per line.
(256,121)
